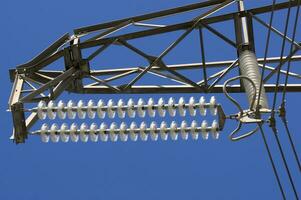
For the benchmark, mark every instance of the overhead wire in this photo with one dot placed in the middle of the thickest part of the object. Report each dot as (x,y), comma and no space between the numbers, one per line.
(272,161)
(272,117)
(267,44)
(258,100)
(283,116)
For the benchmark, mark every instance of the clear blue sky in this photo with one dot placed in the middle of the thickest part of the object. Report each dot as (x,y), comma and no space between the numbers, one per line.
(143,170)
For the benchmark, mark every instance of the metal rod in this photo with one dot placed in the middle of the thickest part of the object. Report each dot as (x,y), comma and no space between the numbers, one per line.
(146,89)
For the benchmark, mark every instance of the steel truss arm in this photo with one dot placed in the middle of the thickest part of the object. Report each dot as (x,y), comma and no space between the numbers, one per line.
(49,84)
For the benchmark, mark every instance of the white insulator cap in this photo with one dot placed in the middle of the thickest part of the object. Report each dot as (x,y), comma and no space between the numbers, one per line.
(90,109)
(153,131)
(150,107)
(93,132)
(100,112)
(70,112)
(213,108)
(44,134)
(50,110)
(130,108)
(191,106)
(171,107)
(73,132)
(41,110)
(202,108)
(81,113)
(181,107)
(204,131)
(184,132)
(113,134)
(83,132)
(140,108)
(63,133)
(161,109)
(133,134)
(174,130)
(163,131)
(143,134)
(120,109)
(194,131)
(122,132)
(54,136)
(102,132)
(214,130)
(61,112)
(110,110)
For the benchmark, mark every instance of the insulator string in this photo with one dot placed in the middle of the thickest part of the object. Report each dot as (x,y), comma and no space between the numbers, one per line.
(83,110)
(123,131)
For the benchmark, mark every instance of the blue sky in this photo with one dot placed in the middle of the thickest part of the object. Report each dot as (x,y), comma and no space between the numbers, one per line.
(213,169)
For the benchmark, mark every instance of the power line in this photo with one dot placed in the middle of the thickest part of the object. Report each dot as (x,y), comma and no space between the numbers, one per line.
(272,117)
(272,161)
(266,53)
(283,114)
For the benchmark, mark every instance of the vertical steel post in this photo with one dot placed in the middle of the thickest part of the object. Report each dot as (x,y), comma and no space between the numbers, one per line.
(247,59)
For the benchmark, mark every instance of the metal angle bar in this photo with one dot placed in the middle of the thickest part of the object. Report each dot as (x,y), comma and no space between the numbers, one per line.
(149,16)
(221,36)
(279,66)
(185,25)
(104,83)
(211,77)
(30,79)
(47,52)
(183,78)
(48,85)
(134,49)
(27,91)
(223,74)
(36,78)
(173,45)
(33,87)
(163,75)
(51,73)
(98,51)
(115,77)
(212,64)
(33,117)
(276,31)
(61,87)
(44,76)
(34,68)
(121,75)
(148,25)
(203,57)
(214,10)
(149,89)
(111,30)
(16,91)
(292,74)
